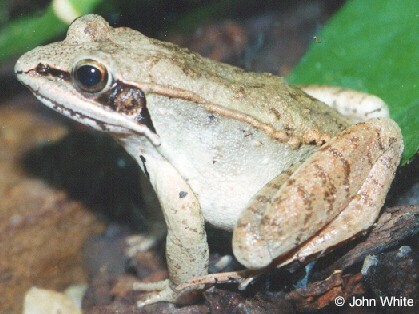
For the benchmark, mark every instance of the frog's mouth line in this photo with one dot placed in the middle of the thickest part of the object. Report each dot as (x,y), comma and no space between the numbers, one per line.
(76,115)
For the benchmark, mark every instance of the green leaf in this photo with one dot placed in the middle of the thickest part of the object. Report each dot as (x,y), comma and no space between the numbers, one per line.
(371,46)
(25,33)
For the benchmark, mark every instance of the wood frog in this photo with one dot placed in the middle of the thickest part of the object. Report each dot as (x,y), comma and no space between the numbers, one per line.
(246,152)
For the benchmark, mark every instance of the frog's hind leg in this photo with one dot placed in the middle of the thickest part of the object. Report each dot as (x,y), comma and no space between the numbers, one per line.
(356,106)
(335,194)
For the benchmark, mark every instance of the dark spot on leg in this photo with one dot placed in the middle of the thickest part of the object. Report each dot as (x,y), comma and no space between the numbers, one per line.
(145,168)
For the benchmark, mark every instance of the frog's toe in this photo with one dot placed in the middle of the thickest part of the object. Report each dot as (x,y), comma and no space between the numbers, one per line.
(163,292)
(166,295)
(151,286)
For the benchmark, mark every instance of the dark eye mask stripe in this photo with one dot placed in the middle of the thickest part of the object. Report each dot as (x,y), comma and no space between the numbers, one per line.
(120,97)
(127,99)
(46,70)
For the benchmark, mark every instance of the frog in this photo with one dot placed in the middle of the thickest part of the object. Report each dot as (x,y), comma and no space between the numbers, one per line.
(293,172)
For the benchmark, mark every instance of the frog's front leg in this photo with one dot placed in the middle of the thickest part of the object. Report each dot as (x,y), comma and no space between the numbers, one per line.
(186,244)
(335,194)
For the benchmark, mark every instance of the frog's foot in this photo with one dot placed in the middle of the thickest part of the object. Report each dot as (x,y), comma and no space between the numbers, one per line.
(163,292)
(243,277)
(356,106)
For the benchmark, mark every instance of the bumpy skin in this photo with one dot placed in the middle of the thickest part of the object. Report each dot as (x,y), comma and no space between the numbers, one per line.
(224,146)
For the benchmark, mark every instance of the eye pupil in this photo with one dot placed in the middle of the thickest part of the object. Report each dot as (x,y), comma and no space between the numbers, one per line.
(90,76)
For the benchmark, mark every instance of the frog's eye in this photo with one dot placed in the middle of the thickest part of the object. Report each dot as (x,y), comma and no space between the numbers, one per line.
(90,76)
